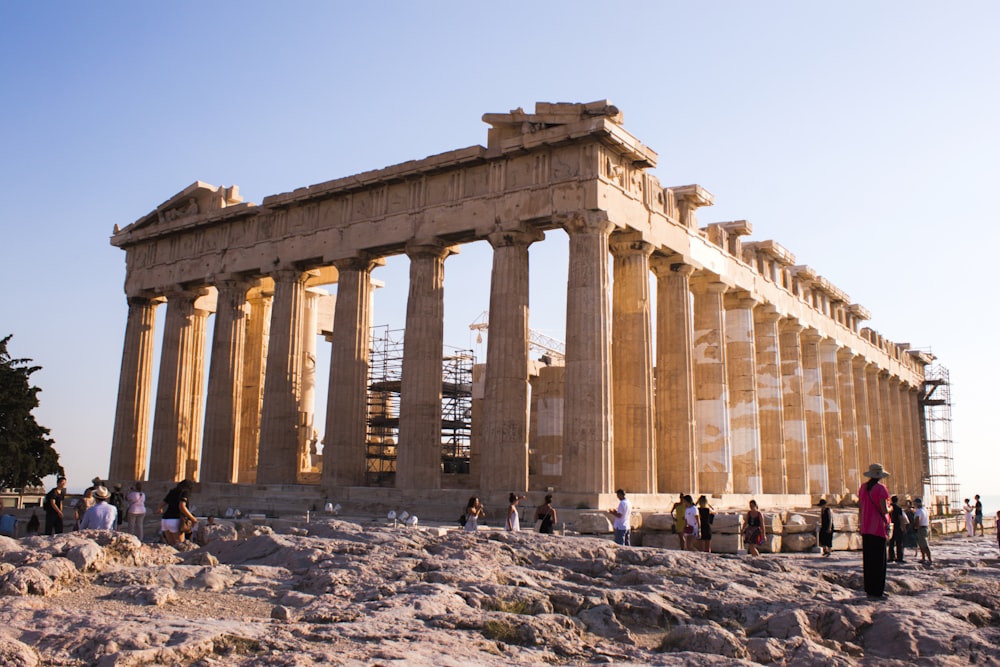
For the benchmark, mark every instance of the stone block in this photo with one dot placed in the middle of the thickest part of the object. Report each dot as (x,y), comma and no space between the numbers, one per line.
(845,521)
(594,523)
(798,542)
(800,523)
(847,541)
(727,522)
(771,545)
(726,543)
(660,540)
(659,522)
(772,521)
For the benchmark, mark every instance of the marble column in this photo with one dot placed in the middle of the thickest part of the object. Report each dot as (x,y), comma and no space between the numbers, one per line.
(874,383)
(909,438)
(588,463)
(199,331)
(863,429)
(848,420)
(741,377)
(676,469)
(814,410)
(344,454)
(505,410)
(770,400)
(632,365)
(885,418)
(921,469)
(130,442)
(897,435)
(832,417)
(418,459)
(225,383)
(307,394)
(793,407)
(258,332)
(715,471)
(173,419)
(277,460)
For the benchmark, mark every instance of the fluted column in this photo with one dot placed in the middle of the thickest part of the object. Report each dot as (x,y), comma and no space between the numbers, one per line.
(874,384)
(277,460)
(632,365)
(225,383)
(418,459)
(307,393)
(863,429)
(909,449)
(172,420)
(199,336)
(258,332)
(832,417)
(587,419)
(793,404)
(897,435)
(676,469)
(130,442)
(770,408)
(848,420)
(505,410)
(347,397)
(921,470)
(741,377)
(812,391)
(715,472)
(886,422)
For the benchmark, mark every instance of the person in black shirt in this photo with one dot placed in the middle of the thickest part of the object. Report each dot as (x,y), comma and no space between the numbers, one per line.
(54,507)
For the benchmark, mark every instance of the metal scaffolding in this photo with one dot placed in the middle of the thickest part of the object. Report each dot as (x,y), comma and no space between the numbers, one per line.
(385,383)
(935,400)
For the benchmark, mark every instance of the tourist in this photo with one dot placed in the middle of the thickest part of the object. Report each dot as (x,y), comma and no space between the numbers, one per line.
(706,515)
(874,523)
(923,526)
(997,526)
(970,518)
(546,516)
(678,511)
(825,528)
(54,507)
(978,521)
(513,523)
(82,505)
(118,502)
(174,508)
(136,510)
(623,516)
(691,533)
(899,524)
(753,529)
(101,515)
(910,534)
(473,511)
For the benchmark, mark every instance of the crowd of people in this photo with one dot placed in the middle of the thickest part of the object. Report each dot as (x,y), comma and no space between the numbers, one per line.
(103,509)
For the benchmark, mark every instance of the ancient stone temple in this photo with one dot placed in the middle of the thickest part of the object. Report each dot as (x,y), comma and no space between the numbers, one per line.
(750,374)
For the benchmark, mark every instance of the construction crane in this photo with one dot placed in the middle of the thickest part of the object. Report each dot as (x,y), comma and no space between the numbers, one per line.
(555,349)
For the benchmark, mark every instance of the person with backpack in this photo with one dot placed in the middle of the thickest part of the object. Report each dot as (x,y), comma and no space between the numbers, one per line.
(118,502)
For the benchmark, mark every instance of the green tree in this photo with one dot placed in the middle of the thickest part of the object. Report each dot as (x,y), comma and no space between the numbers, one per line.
(26,450)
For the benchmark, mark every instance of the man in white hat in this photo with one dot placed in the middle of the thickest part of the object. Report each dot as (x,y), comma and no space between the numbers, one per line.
(873,514)
(101,516)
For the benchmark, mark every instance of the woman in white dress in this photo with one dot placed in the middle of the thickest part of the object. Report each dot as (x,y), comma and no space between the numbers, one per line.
(970,518)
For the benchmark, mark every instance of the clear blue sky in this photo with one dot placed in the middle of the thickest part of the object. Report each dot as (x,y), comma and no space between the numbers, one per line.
(861,136)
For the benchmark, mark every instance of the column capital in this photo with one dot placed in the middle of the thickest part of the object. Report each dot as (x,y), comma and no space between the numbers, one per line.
(704,281)
(663,265)
(811,335)
(622,243)
(363,261)
(738,298)
(140,300)
(521,236)
(766,312)
(431,248)
(790,325)
(580,222)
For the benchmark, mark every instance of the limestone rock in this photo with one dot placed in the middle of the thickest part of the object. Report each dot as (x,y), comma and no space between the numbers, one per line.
(86,556)
(26,581)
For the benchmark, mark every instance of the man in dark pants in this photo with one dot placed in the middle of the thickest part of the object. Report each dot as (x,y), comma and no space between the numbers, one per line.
(897,517)
(54,507)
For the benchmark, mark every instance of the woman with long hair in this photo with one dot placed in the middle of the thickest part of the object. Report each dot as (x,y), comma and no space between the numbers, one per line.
(873,515)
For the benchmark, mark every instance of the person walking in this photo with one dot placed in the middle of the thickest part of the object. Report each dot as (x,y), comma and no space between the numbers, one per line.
(691,532)
(753,529)
(978,518)
(922,522)
(706,515)
(622,522)
(825,528)
(874,524)
(899,524)
(174,508)
(546,516)
(679,523)
(136,510)
(54,507)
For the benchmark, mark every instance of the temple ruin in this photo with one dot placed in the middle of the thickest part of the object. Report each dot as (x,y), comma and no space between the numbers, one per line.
(761,379)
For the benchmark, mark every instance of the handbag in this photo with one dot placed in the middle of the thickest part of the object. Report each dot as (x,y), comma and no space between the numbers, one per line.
(185,525)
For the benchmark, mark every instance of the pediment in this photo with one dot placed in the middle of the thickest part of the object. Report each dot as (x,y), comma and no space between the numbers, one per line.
(194,200)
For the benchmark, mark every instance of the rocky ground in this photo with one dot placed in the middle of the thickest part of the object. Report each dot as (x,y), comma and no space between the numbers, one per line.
(346,594)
